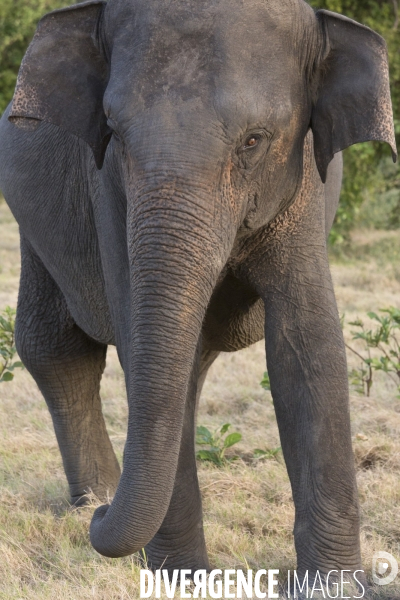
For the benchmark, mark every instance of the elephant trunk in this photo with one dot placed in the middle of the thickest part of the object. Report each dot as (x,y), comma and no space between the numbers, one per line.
(175,263)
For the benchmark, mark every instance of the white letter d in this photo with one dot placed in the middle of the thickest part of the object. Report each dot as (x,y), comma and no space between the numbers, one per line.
(150,583)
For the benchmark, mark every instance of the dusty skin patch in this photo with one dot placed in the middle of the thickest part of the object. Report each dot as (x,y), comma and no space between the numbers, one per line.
(248,508)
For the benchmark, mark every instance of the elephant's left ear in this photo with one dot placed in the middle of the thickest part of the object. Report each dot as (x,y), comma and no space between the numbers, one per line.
(63,76)
(353,101)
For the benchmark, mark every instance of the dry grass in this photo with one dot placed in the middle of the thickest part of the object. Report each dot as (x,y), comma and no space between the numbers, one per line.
(248,508)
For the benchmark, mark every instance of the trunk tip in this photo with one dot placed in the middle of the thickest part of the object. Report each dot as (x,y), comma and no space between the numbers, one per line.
(99,539)
(107,538)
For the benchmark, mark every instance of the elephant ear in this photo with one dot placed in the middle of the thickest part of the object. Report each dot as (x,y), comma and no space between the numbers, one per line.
(63,77)
(353,101)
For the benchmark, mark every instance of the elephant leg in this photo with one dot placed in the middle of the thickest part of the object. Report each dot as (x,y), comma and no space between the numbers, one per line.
(180,543)
(307,365)
(206,360)
(67,367)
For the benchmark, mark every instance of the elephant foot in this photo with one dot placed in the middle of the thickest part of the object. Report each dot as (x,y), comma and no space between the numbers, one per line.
(86,498)
(79,501)
(103,493)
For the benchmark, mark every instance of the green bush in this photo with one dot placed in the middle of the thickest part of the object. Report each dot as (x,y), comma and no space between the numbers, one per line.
(218,443)
(381,349)
(7,346)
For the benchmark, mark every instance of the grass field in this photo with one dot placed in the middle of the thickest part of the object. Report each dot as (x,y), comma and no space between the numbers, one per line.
(44,546)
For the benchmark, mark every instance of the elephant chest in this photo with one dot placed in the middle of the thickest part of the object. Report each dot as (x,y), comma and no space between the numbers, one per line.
(235,317)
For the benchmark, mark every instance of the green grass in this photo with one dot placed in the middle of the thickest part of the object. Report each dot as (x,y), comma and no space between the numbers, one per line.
(248,508)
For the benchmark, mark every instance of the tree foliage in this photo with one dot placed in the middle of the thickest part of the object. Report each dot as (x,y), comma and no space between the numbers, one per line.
(363,163)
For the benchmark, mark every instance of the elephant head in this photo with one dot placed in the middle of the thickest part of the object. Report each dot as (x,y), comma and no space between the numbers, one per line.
(200,110)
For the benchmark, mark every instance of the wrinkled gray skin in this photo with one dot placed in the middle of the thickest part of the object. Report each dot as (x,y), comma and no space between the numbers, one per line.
(204,229)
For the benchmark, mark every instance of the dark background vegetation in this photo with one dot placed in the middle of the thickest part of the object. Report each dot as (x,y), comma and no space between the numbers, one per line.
(371,189)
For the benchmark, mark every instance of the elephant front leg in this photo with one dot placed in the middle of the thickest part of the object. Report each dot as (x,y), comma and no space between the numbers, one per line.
(179,543)
(308,372)
(307,367)
(67,367)
(309,383)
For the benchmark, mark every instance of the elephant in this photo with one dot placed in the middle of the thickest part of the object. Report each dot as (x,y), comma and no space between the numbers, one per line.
(174,168)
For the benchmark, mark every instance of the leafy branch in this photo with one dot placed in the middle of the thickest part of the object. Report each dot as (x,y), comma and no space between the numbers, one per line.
(7,345)
(265,382)
(386,339)
(218,443)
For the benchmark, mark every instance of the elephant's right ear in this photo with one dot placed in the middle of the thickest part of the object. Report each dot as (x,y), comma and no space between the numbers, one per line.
(63,76)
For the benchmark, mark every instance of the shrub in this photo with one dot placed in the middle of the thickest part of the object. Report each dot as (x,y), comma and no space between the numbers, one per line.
(385,340)
(217,442)
(7,347)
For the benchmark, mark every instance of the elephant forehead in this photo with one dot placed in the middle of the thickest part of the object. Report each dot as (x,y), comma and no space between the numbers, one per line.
(188,49)
(208,25)
(189,15)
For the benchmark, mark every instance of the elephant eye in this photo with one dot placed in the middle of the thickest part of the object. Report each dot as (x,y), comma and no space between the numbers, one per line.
(252,147)
(251,142)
